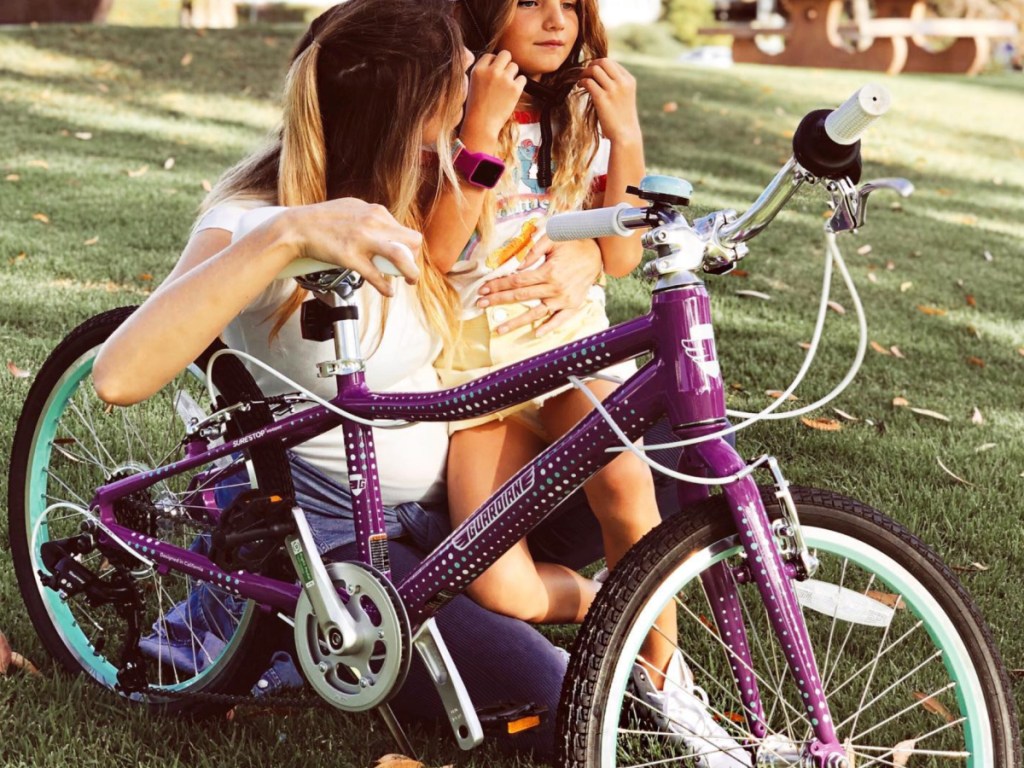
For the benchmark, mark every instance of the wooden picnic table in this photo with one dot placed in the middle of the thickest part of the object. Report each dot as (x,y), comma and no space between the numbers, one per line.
(897,39)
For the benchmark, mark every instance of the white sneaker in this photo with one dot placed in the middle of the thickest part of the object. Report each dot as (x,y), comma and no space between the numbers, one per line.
(684,708)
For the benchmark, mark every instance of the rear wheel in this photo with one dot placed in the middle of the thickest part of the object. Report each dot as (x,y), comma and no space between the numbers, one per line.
(196,638)
(910,671)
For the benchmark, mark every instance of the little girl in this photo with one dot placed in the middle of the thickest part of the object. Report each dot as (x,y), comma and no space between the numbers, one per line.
(564,148)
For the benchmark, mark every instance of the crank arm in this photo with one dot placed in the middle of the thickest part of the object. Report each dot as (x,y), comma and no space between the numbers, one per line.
(333,619)
(445,676)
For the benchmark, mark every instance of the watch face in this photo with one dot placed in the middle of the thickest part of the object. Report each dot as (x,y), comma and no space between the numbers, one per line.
(487,173)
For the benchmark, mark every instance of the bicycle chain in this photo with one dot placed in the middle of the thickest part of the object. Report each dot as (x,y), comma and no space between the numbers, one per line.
(236,699)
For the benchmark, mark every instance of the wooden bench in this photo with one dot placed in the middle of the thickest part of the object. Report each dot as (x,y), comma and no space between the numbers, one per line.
(896,40)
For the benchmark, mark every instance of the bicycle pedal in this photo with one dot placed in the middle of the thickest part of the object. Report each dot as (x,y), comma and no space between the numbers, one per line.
(510,718)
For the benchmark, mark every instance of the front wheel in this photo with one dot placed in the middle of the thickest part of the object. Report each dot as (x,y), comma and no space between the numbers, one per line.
(910,671)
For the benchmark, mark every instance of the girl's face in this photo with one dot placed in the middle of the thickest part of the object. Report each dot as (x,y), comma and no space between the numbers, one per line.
(541,35)
(432,129)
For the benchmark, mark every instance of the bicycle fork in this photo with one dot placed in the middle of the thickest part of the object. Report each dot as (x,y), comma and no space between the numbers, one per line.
(773,577)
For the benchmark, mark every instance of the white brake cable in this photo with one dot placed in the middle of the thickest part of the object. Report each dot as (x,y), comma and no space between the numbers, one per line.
(639,452)
(833,256)
(312,396)
(862,343)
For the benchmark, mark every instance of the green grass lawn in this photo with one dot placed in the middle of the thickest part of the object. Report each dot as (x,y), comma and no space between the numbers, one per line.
(110,134)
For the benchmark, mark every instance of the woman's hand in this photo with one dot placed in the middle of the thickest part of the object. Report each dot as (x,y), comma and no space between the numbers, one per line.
(495,87)
(561,284)
(349,233)
(613,91)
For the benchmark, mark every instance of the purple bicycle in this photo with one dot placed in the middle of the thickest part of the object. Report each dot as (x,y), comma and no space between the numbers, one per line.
(820,633)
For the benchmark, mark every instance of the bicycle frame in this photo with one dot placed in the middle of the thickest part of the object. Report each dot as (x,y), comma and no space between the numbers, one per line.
(682,380)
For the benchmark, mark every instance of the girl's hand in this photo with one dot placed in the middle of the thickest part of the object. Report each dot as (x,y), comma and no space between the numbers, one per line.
(561,284)
(348,233)
(495,87)
(613,91)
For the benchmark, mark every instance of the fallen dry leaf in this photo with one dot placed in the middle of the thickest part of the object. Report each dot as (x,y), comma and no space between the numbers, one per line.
(897,352)
(669,107)
(976,417)
(13,177)
(807,345)
(930,414)
(902,752)
(934,706)
(205,184)
(83,136)
(38,164)
(736,386)
(822,423)
(864,250)
(145,277)
(971,568)
(836,307)
(140,171)
(186,59)
(906,286)
(971,301)
(17,259)
(41,217)
(777,393)
(872,277)
(977,362)
(1020,351)
(92,241)
(11,658)
(168,163)
(985,447)
(899,402)
(879,348)
(930,310)
(400,761)
(890,265)
(896,206)
(16,372)
(754,295)
(739,273)
(952,474)
(987,255)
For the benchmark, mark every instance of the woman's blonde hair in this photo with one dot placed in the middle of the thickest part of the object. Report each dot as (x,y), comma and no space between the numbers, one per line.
(364,81)
(575,140)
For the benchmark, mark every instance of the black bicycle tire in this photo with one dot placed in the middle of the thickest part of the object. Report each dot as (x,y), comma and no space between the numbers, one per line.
(270,466)
(584,690)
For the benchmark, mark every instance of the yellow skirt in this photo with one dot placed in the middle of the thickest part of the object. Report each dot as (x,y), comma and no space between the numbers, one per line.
(479,350)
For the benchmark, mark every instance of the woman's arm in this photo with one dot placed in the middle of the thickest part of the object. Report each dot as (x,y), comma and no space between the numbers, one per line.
(215,279)
(613,91)
(494,91)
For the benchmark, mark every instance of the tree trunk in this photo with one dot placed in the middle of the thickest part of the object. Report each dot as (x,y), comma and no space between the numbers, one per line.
(214,14)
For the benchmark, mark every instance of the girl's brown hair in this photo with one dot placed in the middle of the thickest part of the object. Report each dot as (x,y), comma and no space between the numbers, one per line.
(364,81)
(576,136)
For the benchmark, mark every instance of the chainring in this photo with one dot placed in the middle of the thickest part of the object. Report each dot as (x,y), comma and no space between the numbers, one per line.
(372,673)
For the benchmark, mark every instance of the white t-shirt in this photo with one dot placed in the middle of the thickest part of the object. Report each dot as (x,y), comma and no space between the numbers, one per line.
(411,459)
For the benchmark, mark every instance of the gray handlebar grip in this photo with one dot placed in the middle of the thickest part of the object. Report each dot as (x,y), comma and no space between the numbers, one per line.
(584,225)
(848,122)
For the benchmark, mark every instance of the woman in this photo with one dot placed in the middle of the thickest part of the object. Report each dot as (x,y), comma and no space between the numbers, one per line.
(340,183)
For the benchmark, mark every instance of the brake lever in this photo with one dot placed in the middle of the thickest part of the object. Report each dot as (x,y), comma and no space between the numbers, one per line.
(850,203)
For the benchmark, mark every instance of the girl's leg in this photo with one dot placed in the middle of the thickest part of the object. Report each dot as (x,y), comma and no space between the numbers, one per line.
(622,496)
(480,459)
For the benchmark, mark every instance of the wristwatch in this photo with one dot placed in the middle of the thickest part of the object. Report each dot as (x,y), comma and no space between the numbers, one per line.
(477,168)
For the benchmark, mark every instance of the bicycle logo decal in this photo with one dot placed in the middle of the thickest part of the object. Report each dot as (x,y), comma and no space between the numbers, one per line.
(483,520)
(700,355)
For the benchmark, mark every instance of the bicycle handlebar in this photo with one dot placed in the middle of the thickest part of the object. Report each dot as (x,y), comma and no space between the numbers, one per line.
(849,120)
(826,144)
